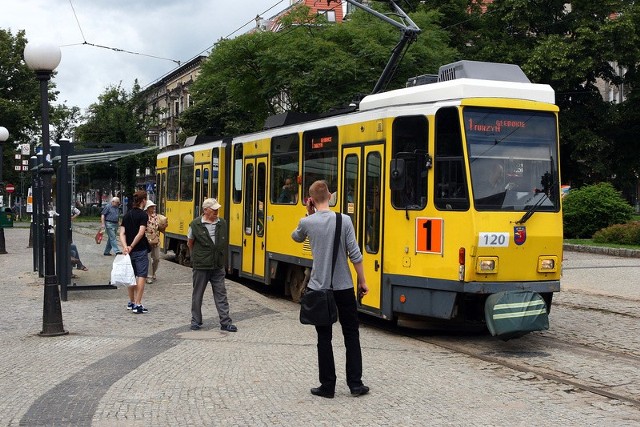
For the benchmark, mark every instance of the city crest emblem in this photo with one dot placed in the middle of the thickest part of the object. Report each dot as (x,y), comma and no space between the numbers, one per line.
(519,234)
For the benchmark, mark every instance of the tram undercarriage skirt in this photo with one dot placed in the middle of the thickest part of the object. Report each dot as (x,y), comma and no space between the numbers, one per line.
(512,314)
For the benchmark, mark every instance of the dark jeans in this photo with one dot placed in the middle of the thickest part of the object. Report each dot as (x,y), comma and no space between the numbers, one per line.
(348,317)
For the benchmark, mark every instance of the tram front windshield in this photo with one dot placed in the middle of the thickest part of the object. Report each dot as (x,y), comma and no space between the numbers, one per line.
(513,159)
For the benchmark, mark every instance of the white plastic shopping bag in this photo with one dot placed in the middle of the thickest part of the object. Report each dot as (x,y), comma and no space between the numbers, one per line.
(122,272)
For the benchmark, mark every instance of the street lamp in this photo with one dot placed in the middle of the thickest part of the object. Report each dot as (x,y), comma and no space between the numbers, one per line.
(43,58)
(4,135)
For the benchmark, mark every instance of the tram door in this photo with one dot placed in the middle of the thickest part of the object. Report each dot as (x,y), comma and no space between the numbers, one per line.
(201,188)
(253,241)
(362,201)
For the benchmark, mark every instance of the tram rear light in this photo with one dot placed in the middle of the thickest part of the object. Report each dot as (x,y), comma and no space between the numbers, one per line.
(403,298)
(487,265)
(461,256)
(547,264)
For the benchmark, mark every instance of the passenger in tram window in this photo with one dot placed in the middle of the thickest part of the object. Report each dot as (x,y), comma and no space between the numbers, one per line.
(319,227)
(289,192)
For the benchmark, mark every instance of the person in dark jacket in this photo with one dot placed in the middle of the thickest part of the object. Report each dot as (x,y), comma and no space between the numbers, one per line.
(135,244)
(208,244)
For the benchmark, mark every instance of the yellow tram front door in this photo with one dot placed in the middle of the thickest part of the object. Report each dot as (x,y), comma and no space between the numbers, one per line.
(254,206)
(362,201)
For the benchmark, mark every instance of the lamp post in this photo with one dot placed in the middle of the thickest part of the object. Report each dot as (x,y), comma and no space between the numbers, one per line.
(43,59)
(4,135)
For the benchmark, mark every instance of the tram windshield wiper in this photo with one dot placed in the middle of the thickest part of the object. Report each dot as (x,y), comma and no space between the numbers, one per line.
(528,214)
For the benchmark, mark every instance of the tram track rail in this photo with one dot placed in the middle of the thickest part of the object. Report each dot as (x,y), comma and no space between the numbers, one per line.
(603,390)
(570,354)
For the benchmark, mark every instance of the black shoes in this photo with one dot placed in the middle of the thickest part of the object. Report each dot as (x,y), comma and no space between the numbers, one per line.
(319,391)
(195,327)
(229,328)
(355,392)
(359,391)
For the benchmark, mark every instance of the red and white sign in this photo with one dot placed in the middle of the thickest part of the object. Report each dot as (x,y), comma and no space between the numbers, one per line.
(10,188)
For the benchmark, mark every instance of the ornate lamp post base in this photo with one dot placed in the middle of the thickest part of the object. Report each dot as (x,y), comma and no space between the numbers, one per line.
(52,319)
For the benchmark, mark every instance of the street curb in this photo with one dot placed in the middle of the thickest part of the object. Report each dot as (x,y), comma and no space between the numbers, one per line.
(619,252)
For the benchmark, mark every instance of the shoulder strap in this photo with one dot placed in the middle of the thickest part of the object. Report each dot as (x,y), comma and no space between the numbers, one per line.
(336,245)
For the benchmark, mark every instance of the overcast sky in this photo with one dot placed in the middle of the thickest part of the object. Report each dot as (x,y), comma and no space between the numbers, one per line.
(175,30)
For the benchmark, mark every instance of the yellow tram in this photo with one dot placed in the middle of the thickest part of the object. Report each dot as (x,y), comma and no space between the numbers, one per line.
(453,189)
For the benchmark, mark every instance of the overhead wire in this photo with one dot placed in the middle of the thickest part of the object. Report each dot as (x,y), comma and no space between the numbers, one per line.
(115,49)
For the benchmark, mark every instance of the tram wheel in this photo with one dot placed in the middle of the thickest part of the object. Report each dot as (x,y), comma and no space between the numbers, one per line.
(297,280)
(182,255)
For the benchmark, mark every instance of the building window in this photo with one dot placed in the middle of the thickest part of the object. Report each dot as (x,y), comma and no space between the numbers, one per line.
(329,14)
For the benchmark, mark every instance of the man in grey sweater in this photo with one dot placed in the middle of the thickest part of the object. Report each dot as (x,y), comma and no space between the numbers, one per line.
(319,227)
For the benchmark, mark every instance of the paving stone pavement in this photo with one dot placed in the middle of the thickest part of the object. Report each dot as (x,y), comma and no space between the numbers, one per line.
(117,368)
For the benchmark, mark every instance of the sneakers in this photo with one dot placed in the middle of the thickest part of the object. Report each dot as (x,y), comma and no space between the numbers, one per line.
(139,309)
(195,327)
(229,328)
(130,305)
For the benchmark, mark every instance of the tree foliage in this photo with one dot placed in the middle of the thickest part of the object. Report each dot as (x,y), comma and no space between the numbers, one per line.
(19,99)
(572,46)
(117,118)
(309,66)
(20,103)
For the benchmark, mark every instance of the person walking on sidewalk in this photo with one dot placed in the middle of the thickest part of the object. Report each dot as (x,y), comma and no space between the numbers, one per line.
(208,244)
(134,242)
(109,218)
(153,237)
(319,227)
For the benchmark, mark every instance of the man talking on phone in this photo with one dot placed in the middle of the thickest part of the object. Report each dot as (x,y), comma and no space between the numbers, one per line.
(319,226)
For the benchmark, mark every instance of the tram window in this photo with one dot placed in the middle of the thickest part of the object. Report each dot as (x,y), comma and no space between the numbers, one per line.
(450,178)
(161,193)
(349,198)
(198,187)
(373,197)
(186,177)
(205,183)
(285,164)
(248,200)
(173,176)
(513,159)
(321,160)
(237,173)
(211,187)
(260,199)
(410,138)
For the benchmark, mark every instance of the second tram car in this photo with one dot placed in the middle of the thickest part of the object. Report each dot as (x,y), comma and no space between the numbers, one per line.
(453,189)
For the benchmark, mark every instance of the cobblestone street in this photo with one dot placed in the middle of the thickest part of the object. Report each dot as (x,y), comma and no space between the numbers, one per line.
(116,368)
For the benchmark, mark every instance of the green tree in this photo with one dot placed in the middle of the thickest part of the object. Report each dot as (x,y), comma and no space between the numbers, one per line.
(65,120)
(570,45)
(19,99)
(117,118)
(309,66)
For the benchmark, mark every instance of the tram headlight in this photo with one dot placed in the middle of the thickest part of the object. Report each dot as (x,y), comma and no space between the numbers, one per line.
(487,265)
(547,264)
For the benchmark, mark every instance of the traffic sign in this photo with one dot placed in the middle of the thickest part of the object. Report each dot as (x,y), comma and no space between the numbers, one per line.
(10,188)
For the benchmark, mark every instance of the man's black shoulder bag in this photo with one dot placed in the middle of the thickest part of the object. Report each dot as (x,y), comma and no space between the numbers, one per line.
(318,307)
